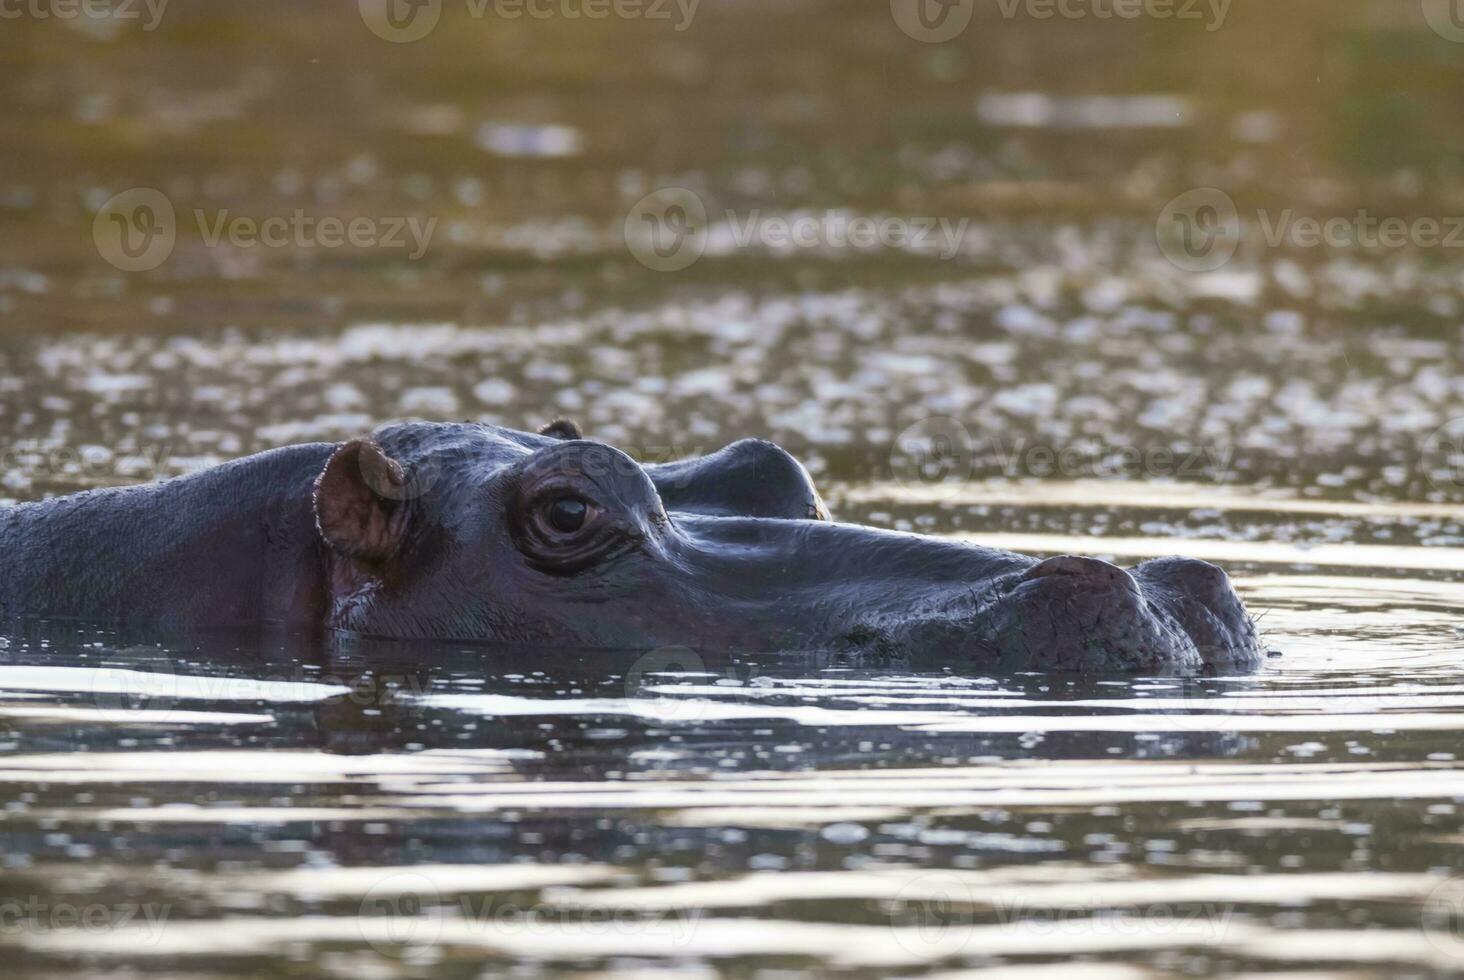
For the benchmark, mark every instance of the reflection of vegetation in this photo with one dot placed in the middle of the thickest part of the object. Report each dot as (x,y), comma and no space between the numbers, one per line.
(1395,103)
(1383,131)
(785,106)
(741,87)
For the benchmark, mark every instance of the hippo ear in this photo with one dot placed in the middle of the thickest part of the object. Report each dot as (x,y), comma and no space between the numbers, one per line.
(561,429)
(358,502)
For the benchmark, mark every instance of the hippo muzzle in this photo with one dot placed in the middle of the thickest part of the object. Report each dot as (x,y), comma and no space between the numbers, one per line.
(856,590)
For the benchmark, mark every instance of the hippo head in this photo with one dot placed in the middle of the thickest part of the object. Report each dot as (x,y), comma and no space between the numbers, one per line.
(473,532)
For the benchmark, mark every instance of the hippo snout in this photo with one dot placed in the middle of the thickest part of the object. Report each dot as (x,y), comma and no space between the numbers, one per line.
(1071,613)
(1202,599)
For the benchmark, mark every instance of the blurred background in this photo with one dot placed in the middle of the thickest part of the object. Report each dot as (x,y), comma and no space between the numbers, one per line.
(494,153)
(528,129)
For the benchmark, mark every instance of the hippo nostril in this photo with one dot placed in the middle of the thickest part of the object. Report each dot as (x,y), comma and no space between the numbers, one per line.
(1203,599)
(1090,572)
(1190,576)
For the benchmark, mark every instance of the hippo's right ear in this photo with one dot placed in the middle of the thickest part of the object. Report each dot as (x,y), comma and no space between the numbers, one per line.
(561,429)
(358,502)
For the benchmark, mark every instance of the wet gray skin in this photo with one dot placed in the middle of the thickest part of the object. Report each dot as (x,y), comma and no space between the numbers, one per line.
(473,532)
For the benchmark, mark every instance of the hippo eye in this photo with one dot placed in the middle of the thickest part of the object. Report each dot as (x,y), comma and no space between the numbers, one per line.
(567,514)
(571,507)
(562,532)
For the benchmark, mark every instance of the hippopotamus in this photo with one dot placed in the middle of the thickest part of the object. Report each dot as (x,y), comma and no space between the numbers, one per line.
(472,532)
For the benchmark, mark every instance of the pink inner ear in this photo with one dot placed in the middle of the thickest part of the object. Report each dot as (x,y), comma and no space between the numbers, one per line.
(354,518)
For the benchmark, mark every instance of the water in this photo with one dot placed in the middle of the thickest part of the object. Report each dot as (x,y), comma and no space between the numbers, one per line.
(255,806)
(258,808)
